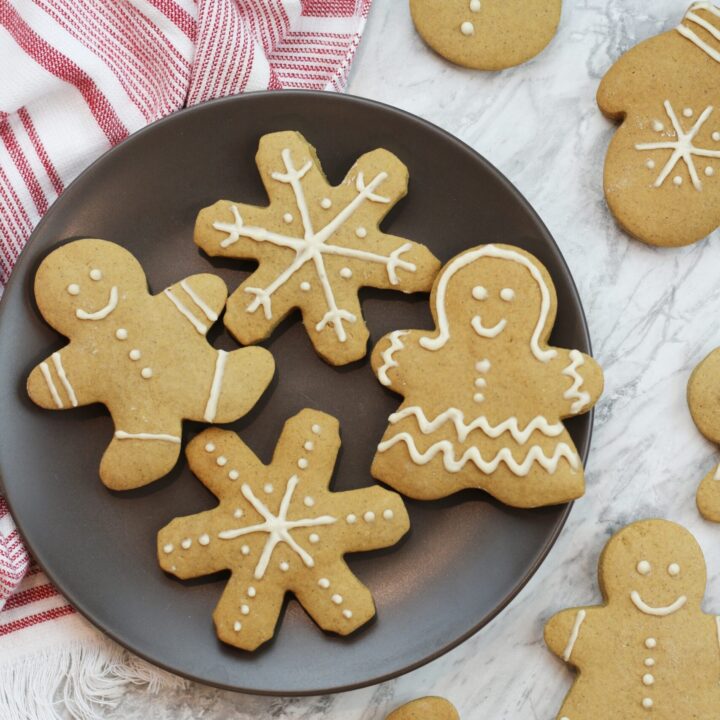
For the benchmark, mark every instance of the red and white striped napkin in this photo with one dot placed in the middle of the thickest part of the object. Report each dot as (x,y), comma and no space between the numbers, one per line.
(78,76)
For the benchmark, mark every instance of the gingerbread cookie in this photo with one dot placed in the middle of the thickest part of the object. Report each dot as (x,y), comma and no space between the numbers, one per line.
(484,394)
(143,356)
(278,529)
(662,170)
(649,651)
(486,34)
(426,708)
(703,393)
(316,245)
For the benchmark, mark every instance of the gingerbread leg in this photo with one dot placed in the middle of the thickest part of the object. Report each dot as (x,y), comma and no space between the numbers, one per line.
(708,496)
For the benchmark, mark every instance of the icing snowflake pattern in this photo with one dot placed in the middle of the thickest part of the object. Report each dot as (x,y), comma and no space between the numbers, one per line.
(278,528)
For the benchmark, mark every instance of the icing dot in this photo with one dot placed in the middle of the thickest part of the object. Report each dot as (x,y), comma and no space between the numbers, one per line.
(657,126)
(480,382)
(288,218)
(482,366)
(245,550)
(347,614)
(314,538)
(267,488)
(210,447)
(134,354)
(479,292)
(643,567)
(677,180)
(351,519)
(309,502)
(650,164)
(649,662)
(475,5)
(507,294)
(716,136)
(186,543)
(478,397)
(96,274)
(173,568)
(650,643)
(252,592)
(467,28)
(238,513)
(244,609)
(302,463)
(233,474)
(309,445)
(146,372)
(361,232)
(388,514)
(284,566)
(316,429)
(221,461)
(346,272)
(337,599)
(167,549)
(326,203)
(647,703)
(73,289)
(687,112)
(204,539)
(121,334)
(324,583)
(237,627)
(709,171)
(305,286)
(673,569)
(648,679)
(369,516)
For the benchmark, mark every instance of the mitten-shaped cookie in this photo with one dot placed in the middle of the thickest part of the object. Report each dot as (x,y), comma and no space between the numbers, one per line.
(316,245)
(649,651)
(143,356)
(279,529)
(703,394)
(426,708)
(486,34)
(484,394)
(662,170)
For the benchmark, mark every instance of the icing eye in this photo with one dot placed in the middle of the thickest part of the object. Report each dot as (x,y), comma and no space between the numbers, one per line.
(643,567)
(507,294)
(73,289)
(673,569)
(479,292)
(96,274)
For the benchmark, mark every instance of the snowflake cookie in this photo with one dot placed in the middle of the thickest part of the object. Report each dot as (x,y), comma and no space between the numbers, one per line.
(486,34)
(316,245)
(143,356)
(278,528)
(649,651)
(662,170)
(484,394)
(426,708)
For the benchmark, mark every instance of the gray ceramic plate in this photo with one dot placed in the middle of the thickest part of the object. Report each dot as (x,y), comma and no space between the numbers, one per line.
(465,558)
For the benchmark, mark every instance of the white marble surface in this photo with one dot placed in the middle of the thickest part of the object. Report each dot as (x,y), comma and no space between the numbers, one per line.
(653,315)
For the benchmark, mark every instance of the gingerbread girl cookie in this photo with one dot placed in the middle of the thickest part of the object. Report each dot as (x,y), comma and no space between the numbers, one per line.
(143,356)
(662,170)
(279,529)
(316,245)
(426,708)
(649,651)
(486,34)
(484,394)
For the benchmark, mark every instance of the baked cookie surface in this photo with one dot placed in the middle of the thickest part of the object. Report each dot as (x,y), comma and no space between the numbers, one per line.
(426,708)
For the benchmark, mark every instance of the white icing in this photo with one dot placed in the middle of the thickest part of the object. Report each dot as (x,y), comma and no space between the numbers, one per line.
(648,679)
(305,286)
(96,274)
(160,437)
(673,569)
(346,272)
(245,549)
(326,203)
(462,261)
(233,474)
(252,592)
(650,164)
(287,218)
(314,245)
(647,703)
(277,527)
(574,633)
(168,548)
(649,662)
(210,447)
(302,463)
(467,28)
(480,382)
(643,567)
(315,429)
(479,292)
(45,370)
(314,538)
(309,445)
(351,519)
(487,332)
(478,397)
(677,181)
(337,599)
(324,583)
(209,313)
(221,461)
(104,311)
(238,513)
(682,147)
(690,34)
(650,643)
(361,232)
(245,609)
(369,516)
(186,543)
(201,327)
(716,136)
(308,501)
(657,126)
(284,566)
(656,611)
(709,171)
(216,386)
(687,112)
(581,398)
(268,488)
(347,614)
(475,5)
(73,289)
(507,294)
(146,372)
(388,514)
(483,366)
(121,334)
(237,626)
(452,464)
(57,362)
(134,354)
(387,356)
(463,429)
(204,539)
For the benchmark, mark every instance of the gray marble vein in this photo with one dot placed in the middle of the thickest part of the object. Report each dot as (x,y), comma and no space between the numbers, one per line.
(653,315)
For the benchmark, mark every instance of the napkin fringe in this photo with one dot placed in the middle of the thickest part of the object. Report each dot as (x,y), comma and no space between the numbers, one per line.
(82,679)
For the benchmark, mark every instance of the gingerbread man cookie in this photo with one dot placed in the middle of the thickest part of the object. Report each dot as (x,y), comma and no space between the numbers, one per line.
(143,356)
(662,170)
(426,708)
(703,393)
(316,245)
(278,529)
(484,394)
(486,34)
(649,651)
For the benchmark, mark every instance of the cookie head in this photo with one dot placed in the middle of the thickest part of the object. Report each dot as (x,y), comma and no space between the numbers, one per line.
(85,280)
(656,565)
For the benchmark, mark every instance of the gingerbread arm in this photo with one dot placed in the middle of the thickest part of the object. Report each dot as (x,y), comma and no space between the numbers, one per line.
(392,358)
(199,299)
(582,381)
(564,634)
(703,393)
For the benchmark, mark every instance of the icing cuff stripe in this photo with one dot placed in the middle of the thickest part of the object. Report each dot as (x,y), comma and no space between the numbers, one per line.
(216,387)
(122,435)
(209,313)
(200,327)
(579,619)
(57,361)
(387,356)
(45,370)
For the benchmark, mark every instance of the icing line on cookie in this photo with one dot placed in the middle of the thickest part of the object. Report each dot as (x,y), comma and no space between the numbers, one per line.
(453,465)
(387,355)
(57,361)
(691,35)
(103,312)
(460,262)
(582,398)
(216,387)
(209,313)
(488,332)
(122,435)
(643,607)
(45,370)
(185,311)
(579,619)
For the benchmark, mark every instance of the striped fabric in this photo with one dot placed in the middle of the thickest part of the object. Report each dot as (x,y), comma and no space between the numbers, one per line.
(78,76)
